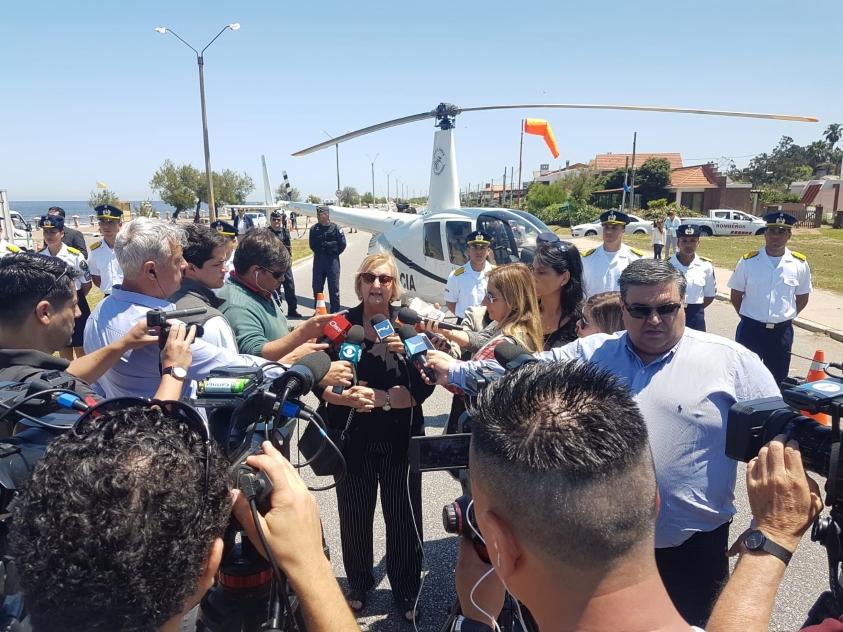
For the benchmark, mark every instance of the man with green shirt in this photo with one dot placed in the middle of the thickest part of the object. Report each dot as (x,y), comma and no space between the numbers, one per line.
(251,303)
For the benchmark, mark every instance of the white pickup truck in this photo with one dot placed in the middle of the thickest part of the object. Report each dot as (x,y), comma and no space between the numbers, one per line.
(16,229)
(724,221)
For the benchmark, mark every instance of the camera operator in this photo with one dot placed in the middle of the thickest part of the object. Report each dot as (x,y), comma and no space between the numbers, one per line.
(784,503)
(88,563)
(38,304)
(565,497)
(685,381)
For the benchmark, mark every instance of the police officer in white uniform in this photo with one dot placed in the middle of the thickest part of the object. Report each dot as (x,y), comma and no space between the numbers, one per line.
(770,287)
(699,274)
(105,270)
(466,285)
(53,230)
(602,266)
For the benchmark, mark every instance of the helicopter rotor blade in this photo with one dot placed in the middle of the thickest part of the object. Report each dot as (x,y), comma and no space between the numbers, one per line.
(367,130)
(646,108)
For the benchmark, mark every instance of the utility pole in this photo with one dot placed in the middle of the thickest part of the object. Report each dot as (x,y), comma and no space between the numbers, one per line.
(373,175)
(632,186)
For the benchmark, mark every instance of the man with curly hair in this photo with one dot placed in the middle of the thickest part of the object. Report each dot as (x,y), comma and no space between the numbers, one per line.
(118,529)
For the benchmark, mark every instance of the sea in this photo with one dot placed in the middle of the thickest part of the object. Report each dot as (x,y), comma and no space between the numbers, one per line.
(34,210)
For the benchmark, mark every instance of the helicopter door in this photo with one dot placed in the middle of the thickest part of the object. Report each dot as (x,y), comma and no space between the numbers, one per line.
(504,248)
(428,277)
(456,232)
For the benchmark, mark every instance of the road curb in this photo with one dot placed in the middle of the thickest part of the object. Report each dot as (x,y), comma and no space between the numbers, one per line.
(803,323)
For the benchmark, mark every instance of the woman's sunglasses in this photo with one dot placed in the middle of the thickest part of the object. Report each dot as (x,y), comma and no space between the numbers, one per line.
(177,411)
(369,278)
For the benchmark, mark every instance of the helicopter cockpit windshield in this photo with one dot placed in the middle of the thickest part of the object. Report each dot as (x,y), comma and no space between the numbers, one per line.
(513,235)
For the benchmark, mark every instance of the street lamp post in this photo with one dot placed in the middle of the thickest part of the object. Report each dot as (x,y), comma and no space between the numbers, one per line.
(388,173)
(200,60)
(372,161)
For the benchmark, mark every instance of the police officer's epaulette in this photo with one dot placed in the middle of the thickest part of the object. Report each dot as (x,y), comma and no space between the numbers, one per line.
(12,248)
(588,252)
(74,251)
(799,255)
(750,255)
(705,259)
(459,271)
(95,245)
(640,253)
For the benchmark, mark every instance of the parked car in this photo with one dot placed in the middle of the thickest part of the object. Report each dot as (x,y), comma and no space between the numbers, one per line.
(724,221)
(636,226)
(258,218)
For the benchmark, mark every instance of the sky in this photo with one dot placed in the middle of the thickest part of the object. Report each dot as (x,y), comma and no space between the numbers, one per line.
(90,92)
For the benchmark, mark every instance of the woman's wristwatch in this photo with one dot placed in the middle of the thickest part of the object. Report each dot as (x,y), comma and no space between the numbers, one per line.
(387,406)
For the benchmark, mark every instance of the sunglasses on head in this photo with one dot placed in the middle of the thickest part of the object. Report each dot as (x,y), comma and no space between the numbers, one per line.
(369,278)
(177,411)
(275,274)
(645,311)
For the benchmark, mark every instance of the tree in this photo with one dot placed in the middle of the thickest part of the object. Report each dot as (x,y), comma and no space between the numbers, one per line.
(833,133)
(349,196)
(314,199)
(367,198)
(103,196)
(231,187)
(281,194)
(177,186)
(652,179)
(540,196)
(615,179)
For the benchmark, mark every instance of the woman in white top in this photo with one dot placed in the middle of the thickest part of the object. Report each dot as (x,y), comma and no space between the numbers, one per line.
(658,238)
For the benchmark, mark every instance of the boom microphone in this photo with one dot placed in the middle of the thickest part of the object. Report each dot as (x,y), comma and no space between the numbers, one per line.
(350,351)
(512,356)
(411,317)
(417,345)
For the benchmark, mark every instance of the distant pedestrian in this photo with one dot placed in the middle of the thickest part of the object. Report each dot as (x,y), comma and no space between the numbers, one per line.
(327,242)
(699,273)
(242,222)
(52,227)
(278,227)
(671,224)
(658,237)
(770,287)
(72,237)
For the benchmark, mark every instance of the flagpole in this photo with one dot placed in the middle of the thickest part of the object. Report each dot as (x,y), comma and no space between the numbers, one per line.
(520,154)
(625,182)
(632,186)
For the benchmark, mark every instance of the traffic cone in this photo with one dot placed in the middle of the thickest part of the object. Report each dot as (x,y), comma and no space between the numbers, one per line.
(321,308)
(816,372)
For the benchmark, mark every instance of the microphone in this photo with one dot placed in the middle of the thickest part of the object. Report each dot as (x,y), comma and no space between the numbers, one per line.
(512,356)
(350,351)
(417,346)
(383,328)
(301,377)
(335,330)
(411,317)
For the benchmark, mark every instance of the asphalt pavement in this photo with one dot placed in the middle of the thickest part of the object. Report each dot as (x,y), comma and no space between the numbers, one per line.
(806,576)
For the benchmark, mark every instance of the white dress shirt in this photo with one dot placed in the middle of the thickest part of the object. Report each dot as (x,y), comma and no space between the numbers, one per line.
(75,260)
(103,263)
(466,287)
(700,278)
(770,285)
(601,270)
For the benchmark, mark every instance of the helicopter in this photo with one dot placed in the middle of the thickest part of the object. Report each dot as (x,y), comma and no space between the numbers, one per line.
(428,246)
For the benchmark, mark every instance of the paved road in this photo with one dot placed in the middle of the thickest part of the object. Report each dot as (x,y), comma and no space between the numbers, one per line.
(805,579)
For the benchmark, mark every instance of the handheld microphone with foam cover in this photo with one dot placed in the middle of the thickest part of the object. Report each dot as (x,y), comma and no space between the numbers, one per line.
(417,345)
(512,356)
(383,328)
(411,317)
(350,351)
(301,377)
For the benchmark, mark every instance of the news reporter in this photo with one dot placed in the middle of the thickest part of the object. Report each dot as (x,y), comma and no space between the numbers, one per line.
(382,412)
(557,272)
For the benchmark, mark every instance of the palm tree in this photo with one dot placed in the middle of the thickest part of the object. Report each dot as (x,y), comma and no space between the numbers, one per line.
(833,133)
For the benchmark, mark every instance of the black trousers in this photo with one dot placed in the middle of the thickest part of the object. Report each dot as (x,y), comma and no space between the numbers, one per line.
(694,572)
(290,291)
(772,345)
(327,269)
(383,464)
(695,317)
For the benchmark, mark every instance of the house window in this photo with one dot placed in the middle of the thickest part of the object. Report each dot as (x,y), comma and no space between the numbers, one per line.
(693,201)
(433,241)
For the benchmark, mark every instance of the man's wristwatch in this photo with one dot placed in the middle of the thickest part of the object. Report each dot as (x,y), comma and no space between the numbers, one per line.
(177,372)
(386,404)
(757,541)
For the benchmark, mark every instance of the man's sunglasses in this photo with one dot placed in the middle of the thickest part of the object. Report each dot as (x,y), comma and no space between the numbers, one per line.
(275,274)
(645,311)
(177,411)
(369,278)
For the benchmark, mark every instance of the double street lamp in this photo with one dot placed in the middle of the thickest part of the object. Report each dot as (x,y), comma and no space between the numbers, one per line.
(212,212)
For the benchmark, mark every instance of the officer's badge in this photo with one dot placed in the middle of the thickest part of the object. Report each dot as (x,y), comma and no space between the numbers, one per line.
(689,230)
(611,217)
(780,219)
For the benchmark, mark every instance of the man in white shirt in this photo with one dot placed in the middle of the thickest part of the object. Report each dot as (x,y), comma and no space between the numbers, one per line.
(770,287)
(699,273)
(466,285)
(602,266)
(102,262)
(671,224)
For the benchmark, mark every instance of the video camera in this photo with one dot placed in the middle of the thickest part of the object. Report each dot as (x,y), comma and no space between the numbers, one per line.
(752,424)
(158,318)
